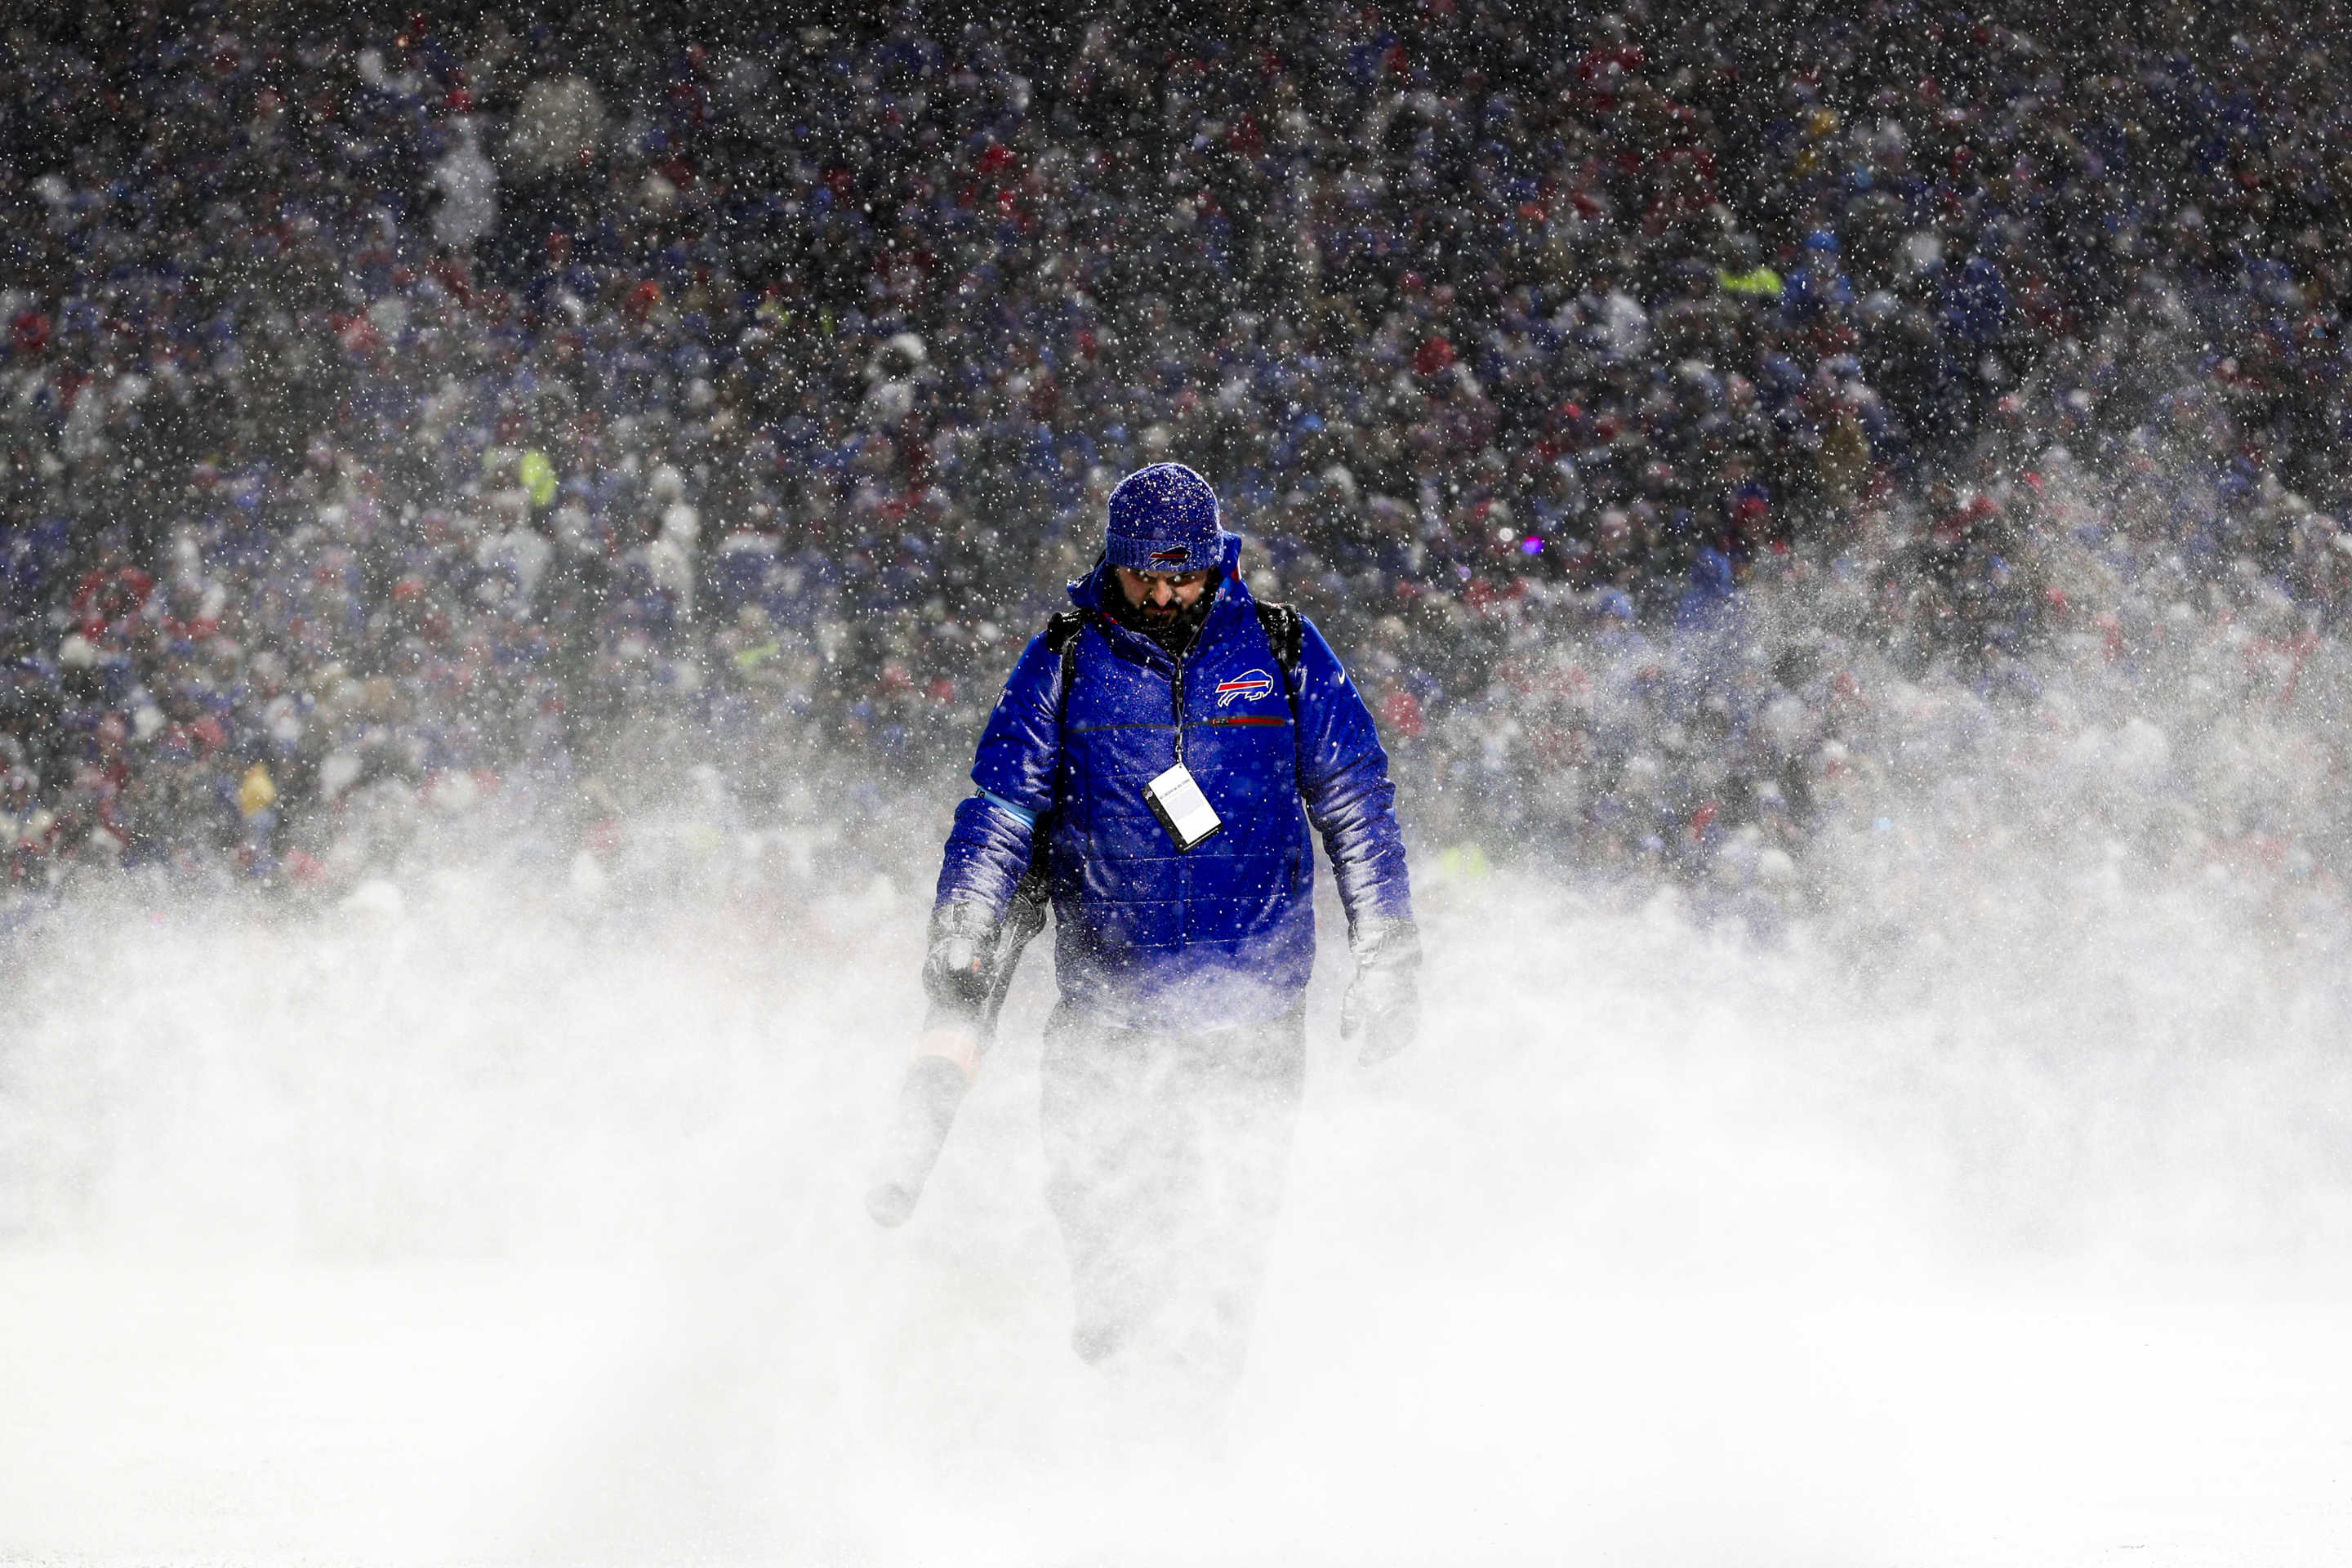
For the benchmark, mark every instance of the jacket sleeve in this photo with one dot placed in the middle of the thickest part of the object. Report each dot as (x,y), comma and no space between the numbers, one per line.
(1343,776)
(989,848)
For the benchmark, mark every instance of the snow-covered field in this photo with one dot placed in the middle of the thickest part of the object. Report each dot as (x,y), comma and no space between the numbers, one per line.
(475,1223)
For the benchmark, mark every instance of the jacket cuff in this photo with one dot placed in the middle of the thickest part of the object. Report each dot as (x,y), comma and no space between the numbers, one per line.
(1385,941)
(969,917)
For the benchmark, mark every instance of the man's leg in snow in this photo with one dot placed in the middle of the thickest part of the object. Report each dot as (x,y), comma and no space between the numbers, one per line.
(1165,1160)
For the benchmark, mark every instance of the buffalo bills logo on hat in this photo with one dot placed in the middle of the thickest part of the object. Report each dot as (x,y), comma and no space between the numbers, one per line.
(1248,687)
(1169,557)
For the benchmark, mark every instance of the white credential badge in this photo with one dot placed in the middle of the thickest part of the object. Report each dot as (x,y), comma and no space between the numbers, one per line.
(1176,799)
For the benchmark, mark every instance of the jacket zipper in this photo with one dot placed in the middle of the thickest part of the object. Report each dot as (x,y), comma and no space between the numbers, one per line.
(1200,634)
(1179,711)
(1177,686)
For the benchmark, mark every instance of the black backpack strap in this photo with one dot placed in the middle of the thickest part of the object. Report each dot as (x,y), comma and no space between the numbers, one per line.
(1062,629)
(1286,633)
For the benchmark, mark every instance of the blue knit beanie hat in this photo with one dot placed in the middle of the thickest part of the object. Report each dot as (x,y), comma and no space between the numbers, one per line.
(1164,519)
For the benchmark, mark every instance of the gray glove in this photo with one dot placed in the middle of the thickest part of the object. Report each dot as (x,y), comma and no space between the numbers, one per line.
(1382,1009)
(955,970)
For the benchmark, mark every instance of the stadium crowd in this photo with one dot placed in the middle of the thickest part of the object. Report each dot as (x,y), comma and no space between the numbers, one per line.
(1695,430)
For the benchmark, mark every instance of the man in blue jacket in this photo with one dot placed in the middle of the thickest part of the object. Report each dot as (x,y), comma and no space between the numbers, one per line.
(1159,753)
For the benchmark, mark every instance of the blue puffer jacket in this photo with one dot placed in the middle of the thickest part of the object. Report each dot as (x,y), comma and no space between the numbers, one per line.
(1222,934)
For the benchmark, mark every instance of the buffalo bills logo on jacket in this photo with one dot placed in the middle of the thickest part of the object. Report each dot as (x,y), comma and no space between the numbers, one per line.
(1248,687)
